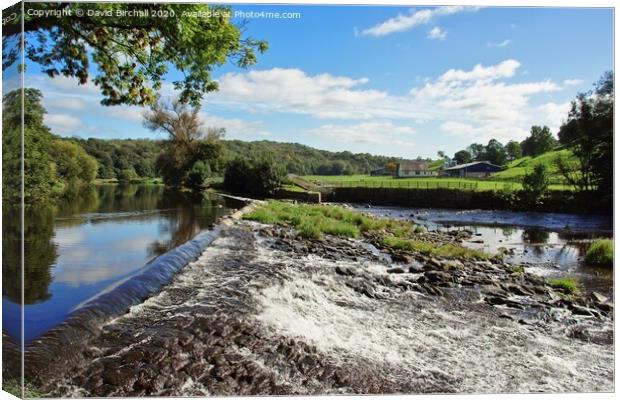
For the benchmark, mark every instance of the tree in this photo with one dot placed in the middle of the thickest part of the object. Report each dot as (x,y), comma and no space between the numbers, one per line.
(74,167)
(261,177)
(189,142)
(513,150)
(540,141)
(477,151)
(535,185)
(39,175)
(462,157)
(495,152)
(133,46)
(588,132)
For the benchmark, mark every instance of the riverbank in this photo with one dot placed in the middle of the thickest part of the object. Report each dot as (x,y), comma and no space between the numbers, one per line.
(267,310)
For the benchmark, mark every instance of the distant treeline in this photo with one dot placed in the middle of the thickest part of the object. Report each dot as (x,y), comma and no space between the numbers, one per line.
(123,157)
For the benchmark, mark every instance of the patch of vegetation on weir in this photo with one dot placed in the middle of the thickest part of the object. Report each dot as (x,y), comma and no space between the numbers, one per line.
(601,252)
(446,250)
(313,221)
(14,387)
(568,284)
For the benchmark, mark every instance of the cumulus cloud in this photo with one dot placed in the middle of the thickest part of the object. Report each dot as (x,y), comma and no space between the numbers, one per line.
(480,103)
(554,114)
(402,22)
(292,90)
(371,132)
(437,33)
(62,123)
(235,128)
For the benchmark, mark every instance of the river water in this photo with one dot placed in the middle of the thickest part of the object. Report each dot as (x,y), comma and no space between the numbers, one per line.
(548,244)
(85,245)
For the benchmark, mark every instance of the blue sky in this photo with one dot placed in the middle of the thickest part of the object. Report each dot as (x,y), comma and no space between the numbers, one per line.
(397,81)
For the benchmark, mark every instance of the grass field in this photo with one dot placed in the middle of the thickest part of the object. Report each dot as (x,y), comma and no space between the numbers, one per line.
(418,183)
(508,179)
(518,168)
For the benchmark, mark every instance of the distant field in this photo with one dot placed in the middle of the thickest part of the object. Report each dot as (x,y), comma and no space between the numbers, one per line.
(417,183)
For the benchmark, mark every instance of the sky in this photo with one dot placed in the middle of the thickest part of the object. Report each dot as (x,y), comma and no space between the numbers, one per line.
(397,81)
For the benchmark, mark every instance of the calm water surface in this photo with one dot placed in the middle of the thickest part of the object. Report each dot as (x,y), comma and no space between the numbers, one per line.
(80,247)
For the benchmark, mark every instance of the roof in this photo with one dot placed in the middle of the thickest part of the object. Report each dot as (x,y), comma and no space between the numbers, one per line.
(461,166)
(413,166)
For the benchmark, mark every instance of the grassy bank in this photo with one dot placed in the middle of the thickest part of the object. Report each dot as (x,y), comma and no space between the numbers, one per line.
(601,252)
(315,221)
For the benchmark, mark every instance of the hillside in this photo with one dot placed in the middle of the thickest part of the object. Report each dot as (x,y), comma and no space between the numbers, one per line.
(517,169)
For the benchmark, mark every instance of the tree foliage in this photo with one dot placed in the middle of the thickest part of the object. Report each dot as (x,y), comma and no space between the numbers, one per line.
(540,141)
(535,185)
(462,157)
(51,164)
(190,147)
(588,132)
(513,150)
(261,177)
(132,46)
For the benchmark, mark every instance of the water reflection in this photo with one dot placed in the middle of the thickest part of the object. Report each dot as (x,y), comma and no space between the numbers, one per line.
(90,240)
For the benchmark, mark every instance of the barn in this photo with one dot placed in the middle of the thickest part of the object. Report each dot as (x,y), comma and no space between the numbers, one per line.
(477,169)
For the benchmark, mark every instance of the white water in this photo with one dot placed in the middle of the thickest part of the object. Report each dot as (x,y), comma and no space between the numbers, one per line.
(419,340)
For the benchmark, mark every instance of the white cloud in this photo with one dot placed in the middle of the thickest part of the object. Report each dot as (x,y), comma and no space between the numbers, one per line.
(555,114)
(572,82)
(291,90)
(437,33)
(383,133)
(499,44)
(479,104)
(402,23)
(235,128)
(66,103)
(62,123)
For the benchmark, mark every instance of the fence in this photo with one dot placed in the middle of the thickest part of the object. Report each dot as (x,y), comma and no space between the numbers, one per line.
(409,184)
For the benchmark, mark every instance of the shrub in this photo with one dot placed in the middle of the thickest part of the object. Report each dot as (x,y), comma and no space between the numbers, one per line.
(127,175)
(535,185)
(601,252)
(198,175)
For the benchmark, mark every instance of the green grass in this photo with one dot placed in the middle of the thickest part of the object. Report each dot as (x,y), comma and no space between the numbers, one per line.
(568,284)
(313,221)
(518,168)
(601,252)
(294,188)
(420,183)
(14,387)
(447,250)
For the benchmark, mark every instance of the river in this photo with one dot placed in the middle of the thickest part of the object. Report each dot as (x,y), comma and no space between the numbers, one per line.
(85,245)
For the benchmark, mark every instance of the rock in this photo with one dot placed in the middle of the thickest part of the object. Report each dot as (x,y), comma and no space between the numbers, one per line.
(396,270)
(434,262)
(415,269)
(598,298)
(438,277)
(344,271)
(452,264)
(402,258)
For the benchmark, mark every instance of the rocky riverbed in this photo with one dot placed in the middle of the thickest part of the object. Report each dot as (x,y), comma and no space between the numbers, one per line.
(265,312)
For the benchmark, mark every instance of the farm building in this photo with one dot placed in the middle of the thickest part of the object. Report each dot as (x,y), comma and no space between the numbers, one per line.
(477,169)
(412,169)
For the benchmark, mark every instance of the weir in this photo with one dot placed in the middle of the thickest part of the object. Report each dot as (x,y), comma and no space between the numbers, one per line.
(61,345)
